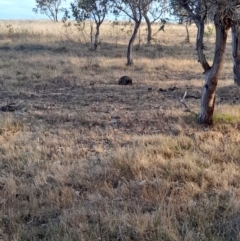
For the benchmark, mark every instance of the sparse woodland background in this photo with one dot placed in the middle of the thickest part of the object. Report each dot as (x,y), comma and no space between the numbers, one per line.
(83,158)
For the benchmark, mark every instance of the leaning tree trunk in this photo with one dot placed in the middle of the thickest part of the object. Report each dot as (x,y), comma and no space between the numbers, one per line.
(149,28)
(236,52)
(96,41)
(130,44)
(212,75)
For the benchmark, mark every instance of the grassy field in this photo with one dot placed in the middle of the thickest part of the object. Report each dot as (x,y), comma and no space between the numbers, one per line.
(82,158)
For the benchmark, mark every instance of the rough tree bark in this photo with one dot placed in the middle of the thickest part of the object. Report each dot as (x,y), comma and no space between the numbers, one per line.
(130,44)
(236,52)
(212,73)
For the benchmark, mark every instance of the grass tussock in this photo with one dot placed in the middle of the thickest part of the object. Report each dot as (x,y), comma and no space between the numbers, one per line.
(82,158)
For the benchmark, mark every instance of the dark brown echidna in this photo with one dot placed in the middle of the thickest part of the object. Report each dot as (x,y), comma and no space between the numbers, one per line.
(125,80)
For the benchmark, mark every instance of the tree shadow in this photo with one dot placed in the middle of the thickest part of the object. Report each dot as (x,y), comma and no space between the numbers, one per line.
(109,50)
(229,95)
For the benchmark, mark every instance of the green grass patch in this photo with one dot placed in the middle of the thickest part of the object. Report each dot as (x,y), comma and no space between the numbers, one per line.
(225,118)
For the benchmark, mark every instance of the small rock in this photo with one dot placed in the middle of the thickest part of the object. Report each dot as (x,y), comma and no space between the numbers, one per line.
(172,88)
(142,182)
(77,193)
(162,90)
(57,163)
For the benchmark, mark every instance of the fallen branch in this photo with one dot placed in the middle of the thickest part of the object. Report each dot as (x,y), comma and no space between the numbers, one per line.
(182,102)
(193,97)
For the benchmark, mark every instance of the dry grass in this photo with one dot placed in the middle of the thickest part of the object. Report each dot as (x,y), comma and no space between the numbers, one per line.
(82,158)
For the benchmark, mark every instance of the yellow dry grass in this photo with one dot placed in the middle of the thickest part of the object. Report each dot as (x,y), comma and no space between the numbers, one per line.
(82,158)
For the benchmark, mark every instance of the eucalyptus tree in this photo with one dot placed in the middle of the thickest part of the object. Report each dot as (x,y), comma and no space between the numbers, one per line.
(91,9)
(155,11)
(226,15)
(181,15)
(134,10)
(51,8)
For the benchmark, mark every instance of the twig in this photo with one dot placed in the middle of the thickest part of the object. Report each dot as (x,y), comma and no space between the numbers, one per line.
(185,105)
(182,102)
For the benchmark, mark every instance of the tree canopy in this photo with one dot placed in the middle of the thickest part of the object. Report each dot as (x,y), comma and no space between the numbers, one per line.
(50,8)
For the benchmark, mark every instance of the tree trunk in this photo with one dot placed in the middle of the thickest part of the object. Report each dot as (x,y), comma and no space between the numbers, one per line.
(187,39)
(200,46)
(149,28)
(96,41)
(236,52)
(55,16)
(91,33)
(180,20)
(212,75)
(130,44)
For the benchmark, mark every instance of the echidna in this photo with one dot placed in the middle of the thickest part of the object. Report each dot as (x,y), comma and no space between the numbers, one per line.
(125,80)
